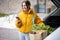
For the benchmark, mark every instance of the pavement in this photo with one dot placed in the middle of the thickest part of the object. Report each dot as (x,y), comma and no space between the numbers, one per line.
(9,34)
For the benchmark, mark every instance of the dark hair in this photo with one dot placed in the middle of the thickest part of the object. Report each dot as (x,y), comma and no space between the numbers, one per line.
(27,3)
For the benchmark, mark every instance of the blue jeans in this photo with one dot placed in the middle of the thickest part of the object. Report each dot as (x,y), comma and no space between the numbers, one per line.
(23,36)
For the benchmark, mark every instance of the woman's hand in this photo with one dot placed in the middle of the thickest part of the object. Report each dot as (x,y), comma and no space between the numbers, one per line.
(18,19)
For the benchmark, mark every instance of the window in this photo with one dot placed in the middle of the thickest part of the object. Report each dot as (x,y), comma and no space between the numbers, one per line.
(41,8)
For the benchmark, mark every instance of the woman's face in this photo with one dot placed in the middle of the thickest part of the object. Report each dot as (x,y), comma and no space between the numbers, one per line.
(24,6)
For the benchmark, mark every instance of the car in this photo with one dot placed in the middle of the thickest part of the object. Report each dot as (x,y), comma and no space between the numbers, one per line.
(53,19)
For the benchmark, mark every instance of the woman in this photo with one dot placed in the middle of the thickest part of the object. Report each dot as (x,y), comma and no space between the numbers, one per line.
(25,19)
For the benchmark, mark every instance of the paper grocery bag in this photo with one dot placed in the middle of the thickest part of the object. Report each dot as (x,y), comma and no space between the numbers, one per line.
(40,35)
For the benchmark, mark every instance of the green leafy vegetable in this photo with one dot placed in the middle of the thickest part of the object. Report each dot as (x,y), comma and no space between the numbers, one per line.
(43,27)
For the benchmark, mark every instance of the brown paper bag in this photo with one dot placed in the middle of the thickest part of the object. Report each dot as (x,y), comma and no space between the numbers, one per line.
(40,35)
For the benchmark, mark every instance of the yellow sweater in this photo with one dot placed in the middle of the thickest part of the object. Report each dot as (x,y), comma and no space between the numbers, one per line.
(27,19)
